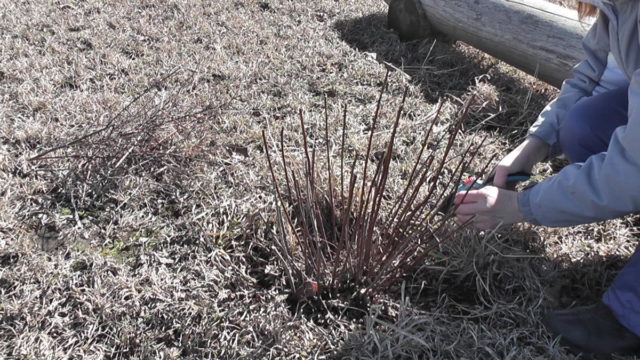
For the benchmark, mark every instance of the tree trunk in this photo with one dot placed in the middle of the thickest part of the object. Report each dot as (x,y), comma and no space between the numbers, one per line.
(538,37)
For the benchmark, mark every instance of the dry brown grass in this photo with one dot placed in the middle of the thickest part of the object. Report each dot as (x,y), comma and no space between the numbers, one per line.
(174,258)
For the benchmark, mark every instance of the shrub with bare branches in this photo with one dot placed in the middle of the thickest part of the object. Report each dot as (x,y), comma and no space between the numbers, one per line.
(154,135)
(345,234)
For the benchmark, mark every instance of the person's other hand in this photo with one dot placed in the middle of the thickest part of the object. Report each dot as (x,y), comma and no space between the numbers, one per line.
(521,159)
(488,207)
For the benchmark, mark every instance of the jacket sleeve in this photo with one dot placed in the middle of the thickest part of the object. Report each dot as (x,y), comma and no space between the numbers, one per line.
(585,78)
(604,187)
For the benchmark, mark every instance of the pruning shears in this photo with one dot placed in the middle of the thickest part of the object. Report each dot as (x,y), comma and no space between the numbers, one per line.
(473,183)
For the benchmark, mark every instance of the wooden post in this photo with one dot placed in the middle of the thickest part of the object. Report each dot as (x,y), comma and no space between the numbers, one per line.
(538,37)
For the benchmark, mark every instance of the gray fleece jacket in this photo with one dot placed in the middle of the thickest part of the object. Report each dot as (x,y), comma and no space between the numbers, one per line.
(607,185)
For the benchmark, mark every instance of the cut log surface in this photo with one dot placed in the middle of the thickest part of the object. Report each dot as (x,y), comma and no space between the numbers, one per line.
(540,38)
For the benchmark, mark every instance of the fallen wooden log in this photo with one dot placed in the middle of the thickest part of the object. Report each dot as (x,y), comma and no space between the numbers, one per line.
(538,37)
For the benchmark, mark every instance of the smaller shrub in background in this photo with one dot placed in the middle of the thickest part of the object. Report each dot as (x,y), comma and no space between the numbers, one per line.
(154,136)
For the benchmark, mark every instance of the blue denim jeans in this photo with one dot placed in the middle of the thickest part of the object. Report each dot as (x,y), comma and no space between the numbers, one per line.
(588,127)
(587,131)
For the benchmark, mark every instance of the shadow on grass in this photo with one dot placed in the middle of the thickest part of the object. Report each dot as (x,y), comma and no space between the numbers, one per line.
(444,69)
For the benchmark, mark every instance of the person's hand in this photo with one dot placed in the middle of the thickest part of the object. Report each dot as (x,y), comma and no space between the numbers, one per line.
(521,159)
(488,207)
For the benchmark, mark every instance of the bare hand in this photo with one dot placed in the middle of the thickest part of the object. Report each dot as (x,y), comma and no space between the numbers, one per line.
(488,207)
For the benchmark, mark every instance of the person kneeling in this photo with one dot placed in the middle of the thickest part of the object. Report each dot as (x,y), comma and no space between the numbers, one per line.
(595,123)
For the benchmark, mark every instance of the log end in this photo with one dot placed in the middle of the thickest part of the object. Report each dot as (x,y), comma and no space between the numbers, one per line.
(408,19)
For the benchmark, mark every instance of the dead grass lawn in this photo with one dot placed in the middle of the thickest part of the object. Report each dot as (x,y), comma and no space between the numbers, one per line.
(164,248)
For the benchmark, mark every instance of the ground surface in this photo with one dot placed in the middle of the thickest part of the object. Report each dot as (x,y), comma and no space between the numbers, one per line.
(155,239)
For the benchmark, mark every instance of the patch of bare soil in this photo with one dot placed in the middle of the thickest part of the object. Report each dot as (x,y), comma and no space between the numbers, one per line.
(148,231)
